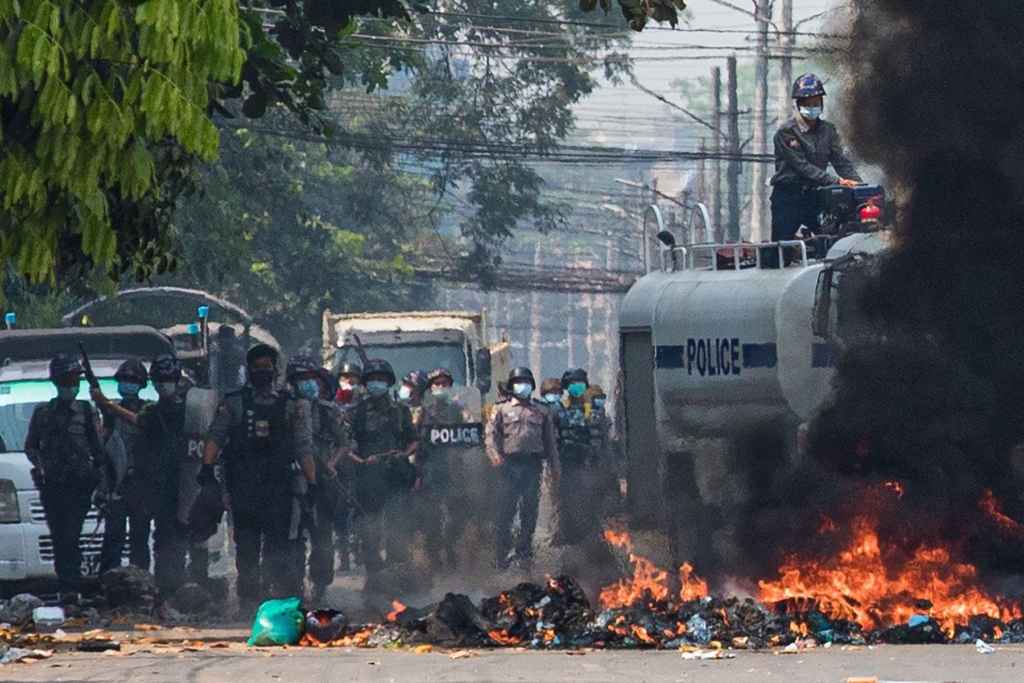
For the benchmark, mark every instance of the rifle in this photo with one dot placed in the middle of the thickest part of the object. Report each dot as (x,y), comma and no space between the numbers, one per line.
(90,376)
(360,351)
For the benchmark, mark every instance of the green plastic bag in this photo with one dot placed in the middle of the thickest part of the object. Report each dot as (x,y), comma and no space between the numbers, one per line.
(278,622)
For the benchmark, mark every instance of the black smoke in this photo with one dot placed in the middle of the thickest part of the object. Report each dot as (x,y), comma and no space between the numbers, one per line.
(930,394)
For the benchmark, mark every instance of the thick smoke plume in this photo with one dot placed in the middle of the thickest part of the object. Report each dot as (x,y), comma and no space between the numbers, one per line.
(931,392)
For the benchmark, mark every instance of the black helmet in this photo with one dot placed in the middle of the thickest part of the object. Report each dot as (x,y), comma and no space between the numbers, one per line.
(165,368)
(261,351)
(521,373)
(330,381)
(378,366)
(299,365)
(132,370)
(65,364)
(417,379)
(350,368)
(576,375)
(439,373)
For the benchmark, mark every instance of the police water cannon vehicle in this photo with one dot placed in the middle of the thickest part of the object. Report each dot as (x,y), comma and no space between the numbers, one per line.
(719,342)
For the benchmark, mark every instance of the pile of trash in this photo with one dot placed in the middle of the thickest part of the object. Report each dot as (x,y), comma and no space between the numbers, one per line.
(557,615)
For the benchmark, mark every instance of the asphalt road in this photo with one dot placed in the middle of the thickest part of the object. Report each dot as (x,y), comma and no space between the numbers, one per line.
(933,664)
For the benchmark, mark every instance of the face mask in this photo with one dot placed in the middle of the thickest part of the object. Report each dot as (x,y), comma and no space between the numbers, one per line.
(127,389)
(810,113)
(551,398)
(67,393)
(261,379)
(441,392)
(598,403)
(165,389)
(308,389)
(405,393)
(576,389)
(522,389)
(376,389)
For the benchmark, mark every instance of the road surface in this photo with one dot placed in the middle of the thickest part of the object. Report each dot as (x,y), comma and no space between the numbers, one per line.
(933,664)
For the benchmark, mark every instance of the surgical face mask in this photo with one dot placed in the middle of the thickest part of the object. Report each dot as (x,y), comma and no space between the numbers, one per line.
(345,386)
(261,379)
(128,389)
(810,113)
(576,389)
(598,403)
(165,389)
(440,392)
(522,389)
(308,389)
(376,389)
(551,398)
(67,393)
(405,393)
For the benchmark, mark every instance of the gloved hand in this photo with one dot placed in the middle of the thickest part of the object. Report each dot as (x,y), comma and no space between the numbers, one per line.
(207,476)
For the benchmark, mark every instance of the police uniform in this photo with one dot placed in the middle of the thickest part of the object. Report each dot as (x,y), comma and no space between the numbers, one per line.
(439,470)
(331,432)
(64,447)
(262,436)
(583,449)
(126,506)
(522,434)
(163,449)
(376,432)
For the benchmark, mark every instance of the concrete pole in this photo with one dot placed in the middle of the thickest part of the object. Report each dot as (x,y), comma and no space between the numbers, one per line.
(734,169)
(786,63)
(760,177)
(716,147)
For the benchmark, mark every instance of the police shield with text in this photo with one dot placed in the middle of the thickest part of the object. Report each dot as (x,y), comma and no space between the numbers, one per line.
(520,436)
(63,445)
(264,439)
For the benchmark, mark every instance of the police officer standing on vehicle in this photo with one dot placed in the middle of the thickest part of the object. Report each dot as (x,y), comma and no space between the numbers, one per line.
(264,438)
(127,512)
(63,445)
(551,394)
(384,451)
(804,147)
(331,440)
(520,435)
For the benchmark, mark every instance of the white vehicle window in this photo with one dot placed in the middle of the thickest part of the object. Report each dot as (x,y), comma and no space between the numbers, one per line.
(19,399)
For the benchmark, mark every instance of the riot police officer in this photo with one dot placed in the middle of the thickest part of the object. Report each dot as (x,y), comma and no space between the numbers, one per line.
(331,441)
(349,380)
(411,391)
(385,446)
(63,445)
(127,512)
(551,393)
(804,147)
(585,465)
(264,438)
(520,435)
(163,449)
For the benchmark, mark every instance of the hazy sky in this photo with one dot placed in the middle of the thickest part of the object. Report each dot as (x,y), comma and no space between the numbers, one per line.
(662,55)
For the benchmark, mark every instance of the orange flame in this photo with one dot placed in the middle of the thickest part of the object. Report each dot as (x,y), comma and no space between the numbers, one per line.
(396,609)
(502,637)
(857,585)
(994,509)
(648,581)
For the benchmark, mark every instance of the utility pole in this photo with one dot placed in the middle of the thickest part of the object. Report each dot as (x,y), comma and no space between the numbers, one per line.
(760,185)
(701,174)
(716,147)
(786,43)
(733,170)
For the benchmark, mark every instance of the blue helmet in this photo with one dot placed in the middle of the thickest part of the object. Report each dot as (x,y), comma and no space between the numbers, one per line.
(64,365)
(300,365)
(807,85)
(165,368)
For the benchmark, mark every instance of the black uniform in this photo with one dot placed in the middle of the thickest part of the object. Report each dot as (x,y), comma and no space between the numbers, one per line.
(378,432)
(163,449)
(443,479)
(128,512)
(263,436)
(331,432)
(64,447)
(802,157)
(585,472)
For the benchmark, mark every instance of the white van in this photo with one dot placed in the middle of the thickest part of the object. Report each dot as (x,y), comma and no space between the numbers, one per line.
(26,551)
